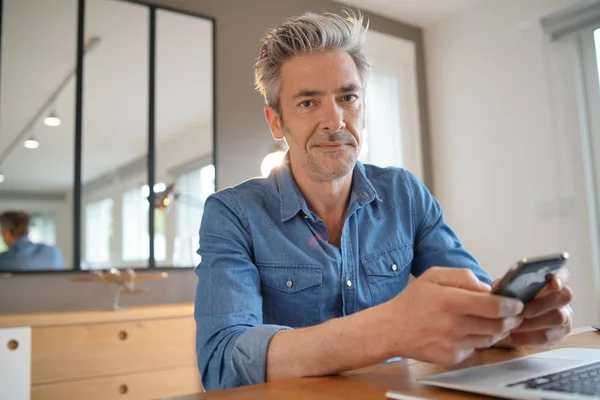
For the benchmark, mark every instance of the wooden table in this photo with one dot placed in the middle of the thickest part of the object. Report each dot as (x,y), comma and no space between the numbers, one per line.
(374,381)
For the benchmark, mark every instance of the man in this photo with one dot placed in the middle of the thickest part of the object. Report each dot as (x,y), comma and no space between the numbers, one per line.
(305,272)
(22,254)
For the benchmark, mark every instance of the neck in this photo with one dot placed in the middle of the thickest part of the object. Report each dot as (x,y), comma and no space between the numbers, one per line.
(11,242)
(328,199)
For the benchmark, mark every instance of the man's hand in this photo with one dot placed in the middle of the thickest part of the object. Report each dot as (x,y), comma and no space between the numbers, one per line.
(547,319)
(447,313)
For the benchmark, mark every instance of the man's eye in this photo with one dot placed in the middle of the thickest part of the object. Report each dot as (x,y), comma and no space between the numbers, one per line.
(349,98)
(306,103)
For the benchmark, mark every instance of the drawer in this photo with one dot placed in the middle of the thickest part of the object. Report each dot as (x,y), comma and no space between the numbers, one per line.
(146,385)
(71,352)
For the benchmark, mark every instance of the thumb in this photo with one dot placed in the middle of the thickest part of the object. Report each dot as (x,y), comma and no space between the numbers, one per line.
(462,278)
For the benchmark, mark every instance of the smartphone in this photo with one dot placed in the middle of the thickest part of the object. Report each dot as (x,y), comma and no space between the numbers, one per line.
(529,276)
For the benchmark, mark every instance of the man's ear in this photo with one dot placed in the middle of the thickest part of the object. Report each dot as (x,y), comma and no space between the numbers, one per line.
(274,123)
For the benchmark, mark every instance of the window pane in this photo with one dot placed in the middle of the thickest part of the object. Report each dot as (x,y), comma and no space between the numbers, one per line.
(597,46)
(36,152)
(135,225)
(382,142)
(42,228)
(98,234)
(191,188)
(393,118)
(184,132)
(115,127)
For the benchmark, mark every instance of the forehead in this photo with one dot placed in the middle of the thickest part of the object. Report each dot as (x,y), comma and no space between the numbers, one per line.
(326,71)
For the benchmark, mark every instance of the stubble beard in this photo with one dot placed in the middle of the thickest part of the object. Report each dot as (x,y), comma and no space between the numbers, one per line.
(330,165)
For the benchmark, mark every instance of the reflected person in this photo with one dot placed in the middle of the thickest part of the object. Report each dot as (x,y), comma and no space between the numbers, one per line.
(22,253)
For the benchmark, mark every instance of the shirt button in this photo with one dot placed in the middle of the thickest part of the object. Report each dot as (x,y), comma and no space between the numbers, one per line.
(289,283)
(348,282)
(394,267)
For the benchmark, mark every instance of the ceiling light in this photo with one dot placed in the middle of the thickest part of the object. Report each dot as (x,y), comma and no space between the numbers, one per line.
(31,143)
(52,119)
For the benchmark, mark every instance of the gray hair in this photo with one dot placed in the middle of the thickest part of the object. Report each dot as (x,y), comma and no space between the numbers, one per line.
(307,33)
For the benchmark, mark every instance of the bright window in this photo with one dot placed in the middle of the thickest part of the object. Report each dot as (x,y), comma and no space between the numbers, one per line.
(42,228)
(392,135)
(382,139)
(98,233)
(193,189)
(136,238)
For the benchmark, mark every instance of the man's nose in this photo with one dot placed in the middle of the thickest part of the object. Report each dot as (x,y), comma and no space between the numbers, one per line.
(332,118)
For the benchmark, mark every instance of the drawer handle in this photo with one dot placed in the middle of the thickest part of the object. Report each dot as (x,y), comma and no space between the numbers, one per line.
(123,335)
(12,345)
(123,389)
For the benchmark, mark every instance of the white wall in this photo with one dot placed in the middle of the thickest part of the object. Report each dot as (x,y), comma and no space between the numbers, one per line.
(505,147)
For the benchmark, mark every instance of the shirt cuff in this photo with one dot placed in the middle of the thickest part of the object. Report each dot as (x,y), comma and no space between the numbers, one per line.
(249,355)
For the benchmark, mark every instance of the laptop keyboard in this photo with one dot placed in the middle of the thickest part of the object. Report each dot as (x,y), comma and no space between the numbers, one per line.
(580,380)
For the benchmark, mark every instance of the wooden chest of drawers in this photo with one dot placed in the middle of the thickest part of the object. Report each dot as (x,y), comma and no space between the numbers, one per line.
(141,353)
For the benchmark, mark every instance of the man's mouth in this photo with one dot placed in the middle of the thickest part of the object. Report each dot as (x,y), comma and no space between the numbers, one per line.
(331,146)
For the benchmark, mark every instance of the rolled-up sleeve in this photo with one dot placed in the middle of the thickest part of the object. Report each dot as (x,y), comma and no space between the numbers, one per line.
(436,244)
(248,359)
(231,341)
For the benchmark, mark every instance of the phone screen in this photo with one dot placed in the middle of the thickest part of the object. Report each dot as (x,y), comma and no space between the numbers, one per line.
(530,279)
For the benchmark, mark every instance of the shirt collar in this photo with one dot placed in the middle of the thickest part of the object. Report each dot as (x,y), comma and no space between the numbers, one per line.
(292,200)
(21,242)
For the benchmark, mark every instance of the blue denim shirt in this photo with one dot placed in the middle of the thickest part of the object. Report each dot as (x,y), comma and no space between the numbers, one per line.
(24,255)
(266,264)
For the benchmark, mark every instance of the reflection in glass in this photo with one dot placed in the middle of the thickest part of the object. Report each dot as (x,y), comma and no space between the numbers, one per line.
(194,188)
(184,133)
(36,158)
(115,136)
(597,48)
(98,233)
(135,227)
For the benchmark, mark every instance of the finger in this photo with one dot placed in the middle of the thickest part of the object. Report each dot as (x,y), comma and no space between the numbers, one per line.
(538,338)
(548,302)
(469,325)
(553,318)
(482,304)
(495,283)
(557,283)
(482,341)
(505,344)
(456,277)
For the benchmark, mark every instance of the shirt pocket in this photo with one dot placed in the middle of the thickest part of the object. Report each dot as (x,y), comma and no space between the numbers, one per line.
(387,272)
(291,294)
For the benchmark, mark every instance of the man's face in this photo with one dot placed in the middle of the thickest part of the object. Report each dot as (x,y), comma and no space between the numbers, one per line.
(322,113)
(7,237)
